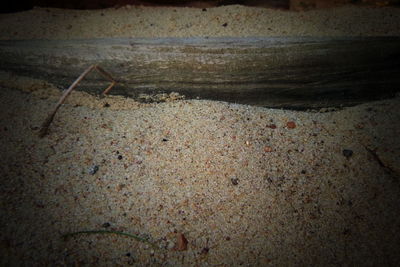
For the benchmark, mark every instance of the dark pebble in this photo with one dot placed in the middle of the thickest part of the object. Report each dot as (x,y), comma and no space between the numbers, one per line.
(106,225)
(106,105)
(225,24)
(205,250)
(93,169)
(204,9)
(235,181)
(347,153)
(128,254)
(164,139)
(119,157)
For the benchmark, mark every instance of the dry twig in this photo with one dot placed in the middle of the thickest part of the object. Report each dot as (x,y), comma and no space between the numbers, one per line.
(46,124)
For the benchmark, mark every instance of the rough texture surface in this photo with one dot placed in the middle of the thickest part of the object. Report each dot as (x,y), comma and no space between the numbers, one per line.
(317,74)
(296,72)
(226,21)
(243,185)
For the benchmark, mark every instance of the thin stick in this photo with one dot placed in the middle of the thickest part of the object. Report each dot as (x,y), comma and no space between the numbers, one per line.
(45,126)
(107,76)
(104,73)
(109,88)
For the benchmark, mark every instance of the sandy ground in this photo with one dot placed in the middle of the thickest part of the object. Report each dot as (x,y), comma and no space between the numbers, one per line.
(244,186)
(226,21)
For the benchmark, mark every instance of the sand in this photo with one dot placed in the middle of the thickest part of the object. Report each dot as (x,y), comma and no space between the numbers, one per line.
(243,185)
(226,21)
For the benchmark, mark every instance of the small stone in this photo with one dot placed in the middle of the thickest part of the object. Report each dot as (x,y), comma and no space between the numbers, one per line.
(119,157)
(267,149)
(93,169)
(347,153)
(225,24)
(170,245)
(360,126)
(120,187)
(235,181)
(204,250)
(106,225)
(181,242)
(291,124)
(272,126)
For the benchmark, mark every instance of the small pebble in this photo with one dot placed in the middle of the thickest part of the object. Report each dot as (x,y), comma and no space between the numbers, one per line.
(291,124)
(170,245)
(181,243)
(267,149)
(119,157)
(235,181)
(106,225)
(347,153)
(205,250)
(93,169)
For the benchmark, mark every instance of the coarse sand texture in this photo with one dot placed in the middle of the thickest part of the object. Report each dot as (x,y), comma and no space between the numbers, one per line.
(195,182)
(227,21)
(242,185)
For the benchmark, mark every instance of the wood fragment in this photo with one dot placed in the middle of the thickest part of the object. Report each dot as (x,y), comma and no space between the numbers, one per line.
(303,73)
